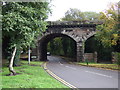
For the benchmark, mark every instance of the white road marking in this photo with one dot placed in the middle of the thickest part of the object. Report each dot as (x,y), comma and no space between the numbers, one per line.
(98,74)
(70,67)
(60,63)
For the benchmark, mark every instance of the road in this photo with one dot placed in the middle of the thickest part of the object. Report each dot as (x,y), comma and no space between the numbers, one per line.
(82,76)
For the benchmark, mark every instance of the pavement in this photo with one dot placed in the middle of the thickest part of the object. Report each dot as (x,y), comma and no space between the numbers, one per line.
(82,76)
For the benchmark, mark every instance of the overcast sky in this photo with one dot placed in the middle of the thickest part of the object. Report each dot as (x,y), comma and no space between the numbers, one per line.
(59,7)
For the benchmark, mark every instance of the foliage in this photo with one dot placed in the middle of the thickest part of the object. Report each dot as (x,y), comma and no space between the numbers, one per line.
(108,32)
(74,14)
(55,46)
(104,53)
(117,57)
(62,46)
(91,16)
(22,22)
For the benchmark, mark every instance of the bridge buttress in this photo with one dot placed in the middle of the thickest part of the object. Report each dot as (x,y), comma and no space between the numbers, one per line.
(42,52)
(80,51)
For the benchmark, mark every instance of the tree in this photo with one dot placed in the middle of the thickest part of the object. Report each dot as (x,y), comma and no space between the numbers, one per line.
(22,23)
(109,33)
(73,14)
(55,46)
(65,45)
(91,16)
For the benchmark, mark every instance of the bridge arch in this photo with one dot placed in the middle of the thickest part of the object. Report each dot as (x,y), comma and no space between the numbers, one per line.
(43,41)
(77,31)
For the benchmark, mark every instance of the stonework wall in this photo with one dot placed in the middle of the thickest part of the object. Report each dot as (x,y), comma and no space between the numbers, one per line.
(114,57)
(34,51)
(88,56)
(34,55)
(91,57)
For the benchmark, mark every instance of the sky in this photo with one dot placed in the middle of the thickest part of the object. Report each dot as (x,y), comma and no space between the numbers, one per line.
(59,7)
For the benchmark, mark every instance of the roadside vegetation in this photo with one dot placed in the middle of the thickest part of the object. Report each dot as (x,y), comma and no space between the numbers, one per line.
(29,76)
(101,65)
(114,66)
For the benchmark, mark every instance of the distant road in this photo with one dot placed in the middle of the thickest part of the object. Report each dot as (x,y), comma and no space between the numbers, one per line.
(82,76)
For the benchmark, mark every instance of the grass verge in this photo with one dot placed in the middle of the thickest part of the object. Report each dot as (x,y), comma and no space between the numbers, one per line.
(30,76)
(99,65)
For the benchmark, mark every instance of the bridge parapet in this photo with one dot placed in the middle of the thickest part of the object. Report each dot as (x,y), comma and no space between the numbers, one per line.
(68,24)
(73,22)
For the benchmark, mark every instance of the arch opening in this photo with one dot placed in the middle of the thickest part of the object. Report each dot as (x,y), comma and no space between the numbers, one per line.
(90,45)
(104,54)
(43,43)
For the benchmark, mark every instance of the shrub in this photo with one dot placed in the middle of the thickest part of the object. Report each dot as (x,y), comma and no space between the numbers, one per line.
(117,57)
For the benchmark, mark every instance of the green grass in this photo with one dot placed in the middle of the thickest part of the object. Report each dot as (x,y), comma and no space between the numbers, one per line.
(31,76)
(99,65)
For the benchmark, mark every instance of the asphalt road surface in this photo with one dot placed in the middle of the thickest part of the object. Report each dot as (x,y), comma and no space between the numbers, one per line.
(82,76)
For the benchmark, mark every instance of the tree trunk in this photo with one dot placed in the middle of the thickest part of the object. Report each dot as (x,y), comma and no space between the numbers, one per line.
(29,55)
(17,57)
(12,72)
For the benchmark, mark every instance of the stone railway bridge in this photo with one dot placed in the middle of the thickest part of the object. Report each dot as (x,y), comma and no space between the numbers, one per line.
(78,31)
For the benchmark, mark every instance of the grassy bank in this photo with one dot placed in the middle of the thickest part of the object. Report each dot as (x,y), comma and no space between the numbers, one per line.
(99,65)
(30,76)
